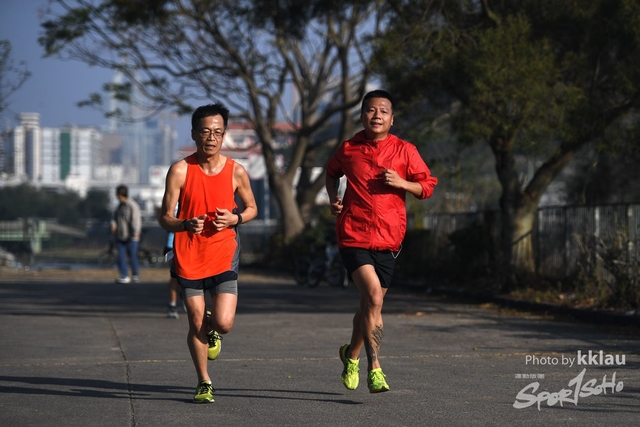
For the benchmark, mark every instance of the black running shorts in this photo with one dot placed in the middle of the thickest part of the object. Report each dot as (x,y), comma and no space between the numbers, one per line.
(383,262)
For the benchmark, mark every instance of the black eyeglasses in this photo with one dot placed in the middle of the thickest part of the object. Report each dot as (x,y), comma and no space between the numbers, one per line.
(206,133)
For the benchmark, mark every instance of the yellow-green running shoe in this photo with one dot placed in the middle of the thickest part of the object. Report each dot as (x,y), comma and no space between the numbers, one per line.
(376,381)
(350,377)
(204,392)
(213,338)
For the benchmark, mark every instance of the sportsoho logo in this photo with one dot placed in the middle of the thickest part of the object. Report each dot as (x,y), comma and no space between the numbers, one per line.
(577,387)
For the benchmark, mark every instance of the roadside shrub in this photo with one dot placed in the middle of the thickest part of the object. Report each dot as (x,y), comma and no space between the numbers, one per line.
(416,261)
(608,278)
(625,269)
(470,249)
(311,241)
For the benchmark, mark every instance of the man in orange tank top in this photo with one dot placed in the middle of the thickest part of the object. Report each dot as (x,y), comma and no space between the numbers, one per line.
(206,244)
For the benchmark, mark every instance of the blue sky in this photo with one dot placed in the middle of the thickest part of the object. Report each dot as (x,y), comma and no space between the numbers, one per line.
(55,87)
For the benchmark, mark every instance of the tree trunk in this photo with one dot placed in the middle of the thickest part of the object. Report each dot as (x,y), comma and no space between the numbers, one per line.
(509,202)
(292,223)
(517,231)
(522,255)
(519,206)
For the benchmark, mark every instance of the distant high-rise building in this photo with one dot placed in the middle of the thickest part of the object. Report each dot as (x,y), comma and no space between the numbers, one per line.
(22,149)
(3,163)
(69,151)
(109,152)
(146,142)
(52,156)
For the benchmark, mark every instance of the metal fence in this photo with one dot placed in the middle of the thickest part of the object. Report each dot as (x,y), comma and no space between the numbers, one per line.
(565,239)
(568,236)
(32,240)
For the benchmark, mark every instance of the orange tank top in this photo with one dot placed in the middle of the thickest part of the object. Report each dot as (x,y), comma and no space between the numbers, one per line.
(198,256)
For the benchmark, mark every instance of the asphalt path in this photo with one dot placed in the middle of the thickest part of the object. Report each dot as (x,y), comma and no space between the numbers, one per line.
(77,349)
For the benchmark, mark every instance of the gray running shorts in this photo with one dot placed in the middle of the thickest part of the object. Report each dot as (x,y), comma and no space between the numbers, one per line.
(223,283)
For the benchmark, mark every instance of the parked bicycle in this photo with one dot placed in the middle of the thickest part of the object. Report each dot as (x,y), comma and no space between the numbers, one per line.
(149,258)
(109,257)
(329,267)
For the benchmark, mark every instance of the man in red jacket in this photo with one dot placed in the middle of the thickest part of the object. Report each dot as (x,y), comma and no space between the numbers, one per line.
(380,169)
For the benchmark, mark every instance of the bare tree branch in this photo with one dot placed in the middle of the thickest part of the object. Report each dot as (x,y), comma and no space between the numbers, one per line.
(248,54)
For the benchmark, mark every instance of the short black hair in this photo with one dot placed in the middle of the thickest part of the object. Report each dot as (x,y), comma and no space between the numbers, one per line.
(379,93)
(209,110)
(122,190)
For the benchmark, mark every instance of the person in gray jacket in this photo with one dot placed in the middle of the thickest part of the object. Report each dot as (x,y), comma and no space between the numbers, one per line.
(126,225)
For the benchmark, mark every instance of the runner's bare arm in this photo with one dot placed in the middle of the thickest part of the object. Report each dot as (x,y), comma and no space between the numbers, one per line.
(242,186)
(174,183)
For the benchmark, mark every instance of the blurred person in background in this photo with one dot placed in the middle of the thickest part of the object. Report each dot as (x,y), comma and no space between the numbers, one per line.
(173,287)
(126,225)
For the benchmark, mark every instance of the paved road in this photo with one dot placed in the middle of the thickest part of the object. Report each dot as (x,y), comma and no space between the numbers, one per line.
(79,350)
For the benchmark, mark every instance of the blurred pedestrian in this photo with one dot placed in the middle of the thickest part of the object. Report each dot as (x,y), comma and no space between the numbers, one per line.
(126,225)
(173,287)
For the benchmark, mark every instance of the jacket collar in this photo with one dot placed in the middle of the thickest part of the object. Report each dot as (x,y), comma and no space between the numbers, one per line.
(361,138)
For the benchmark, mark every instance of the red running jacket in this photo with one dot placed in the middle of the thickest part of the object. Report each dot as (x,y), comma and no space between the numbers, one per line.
(374,215)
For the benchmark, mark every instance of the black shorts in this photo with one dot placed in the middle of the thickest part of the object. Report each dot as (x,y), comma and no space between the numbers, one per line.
(384,262)
(172,269)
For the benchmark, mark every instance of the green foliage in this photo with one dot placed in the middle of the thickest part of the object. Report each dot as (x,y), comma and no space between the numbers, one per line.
(291,17)
(507,82)
(528,78)
(534,74)
(66,29)
(607,172)
(466,178)
(95,205)
(25,201)
(514,88)
(139,11)
(18,202)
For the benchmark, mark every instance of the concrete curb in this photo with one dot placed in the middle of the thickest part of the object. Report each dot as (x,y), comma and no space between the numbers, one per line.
(582,314)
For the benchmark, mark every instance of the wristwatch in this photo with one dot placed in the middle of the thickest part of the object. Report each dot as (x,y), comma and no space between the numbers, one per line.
(239,219)
(184,225)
